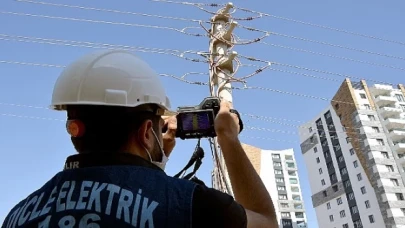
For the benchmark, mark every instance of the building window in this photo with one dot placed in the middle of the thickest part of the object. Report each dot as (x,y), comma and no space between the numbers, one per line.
(363,190)
(341,159)
(325,194)
(359,178)
(390,168)
(320,170)
(345,225)
(329,165)
(331,218)
(380,142)
(328,206)
(292,173)
(284,205)
(285,215)
(348,139)
(385,154)
(351,151)
(343,171)
(339,201)
(315,149)
(357,224)
(296,197)
(399,97)
(347,183)
(337,148)
(332,177)
(355,164)
(394,182)
(326,154)
(371,218)
(363,96)
(289,158)
(282,197)
(335,188)
(367,204)
(367,106)
(281,188)
(280,180)
(327,115)
(293,181)
(276,156)
(299,215)
(278,172)
(298,206)
(354,210)
(376,129)
(287,222)
(318,160)
(371,117)
(351,196)
(277,164)
(310,129)
(323,182)
(399,196)
(290,164)
(342,213)
(402,106)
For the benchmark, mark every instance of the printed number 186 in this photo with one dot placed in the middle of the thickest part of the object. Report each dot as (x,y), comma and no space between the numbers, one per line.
(68,221)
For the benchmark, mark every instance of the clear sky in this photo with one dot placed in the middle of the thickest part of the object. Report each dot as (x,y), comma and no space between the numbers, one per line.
(34,148)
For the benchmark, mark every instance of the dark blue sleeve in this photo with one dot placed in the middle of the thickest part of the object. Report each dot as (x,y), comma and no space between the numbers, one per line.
(212,208)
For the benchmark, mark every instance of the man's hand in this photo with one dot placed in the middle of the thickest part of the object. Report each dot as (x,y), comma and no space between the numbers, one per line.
(169,137)
(226,123)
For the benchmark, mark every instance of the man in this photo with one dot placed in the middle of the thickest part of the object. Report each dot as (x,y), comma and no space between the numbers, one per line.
(114,103)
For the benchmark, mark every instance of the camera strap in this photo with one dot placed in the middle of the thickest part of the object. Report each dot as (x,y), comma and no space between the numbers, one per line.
(196,160)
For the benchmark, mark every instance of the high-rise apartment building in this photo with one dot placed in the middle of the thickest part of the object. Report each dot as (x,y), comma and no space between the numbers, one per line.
(354,153)
(278,170)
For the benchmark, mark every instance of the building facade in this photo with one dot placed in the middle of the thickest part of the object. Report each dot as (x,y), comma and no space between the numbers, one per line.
(278,170)
(354,153)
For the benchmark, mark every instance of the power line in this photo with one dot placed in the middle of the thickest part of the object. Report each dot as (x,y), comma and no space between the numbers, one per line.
(181,54)
(334,56)
(109,10)
(86,44)
(262,14)
(251,128)
(183,30)
(323,27)
(235,88)
(253,59)
(61,120)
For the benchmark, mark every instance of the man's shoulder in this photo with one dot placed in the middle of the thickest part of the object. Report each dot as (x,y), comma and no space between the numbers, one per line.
(15,213)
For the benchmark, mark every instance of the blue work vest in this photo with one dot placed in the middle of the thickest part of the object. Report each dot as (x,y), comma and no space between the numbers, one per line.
(107,196)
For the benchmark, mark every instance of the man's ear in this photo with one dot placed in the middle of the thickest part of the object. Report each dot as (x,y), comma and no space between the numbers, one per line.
(145,135)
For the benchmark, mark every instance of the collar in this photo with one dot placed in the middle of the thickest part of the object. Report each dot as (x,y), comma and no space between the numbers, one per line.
(112,159)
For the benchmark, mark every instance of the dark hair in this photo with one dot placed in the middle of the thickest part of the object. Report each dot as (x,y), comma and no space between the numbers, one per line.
(108,128)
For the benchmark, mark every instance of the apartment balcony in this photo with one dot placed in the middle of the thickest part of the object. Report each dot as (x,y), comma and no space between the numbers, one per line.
(392,123)
(385,100)
(389,112)
(378,89)
(397,135)
(400,147)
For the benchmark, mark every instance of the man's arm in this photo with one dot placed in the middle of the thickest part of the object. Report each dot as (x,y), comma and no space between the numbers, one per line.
(247,185)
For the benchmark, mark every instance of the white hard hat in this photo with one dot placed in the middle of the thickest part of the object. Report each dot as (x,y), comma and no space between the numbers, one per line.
(110,78)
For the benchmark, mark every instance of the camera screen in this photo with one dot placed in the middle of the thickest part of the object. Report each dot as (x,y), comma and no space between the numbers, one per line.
(194,121)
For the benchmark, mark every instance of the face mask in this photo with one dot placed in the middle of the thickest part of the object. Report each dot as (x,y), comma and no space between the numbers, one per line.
(162,164)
